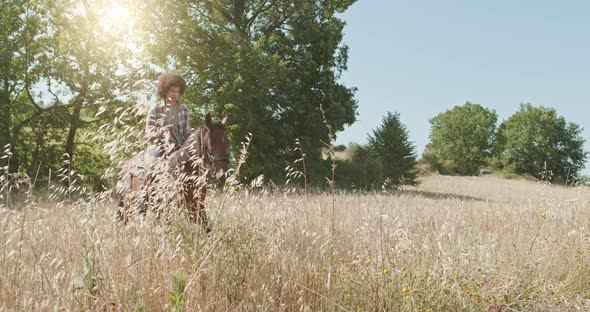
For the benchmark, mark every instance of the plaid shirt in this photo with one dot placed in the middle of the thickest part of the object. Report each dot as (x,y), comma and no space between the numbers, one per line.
(159,117)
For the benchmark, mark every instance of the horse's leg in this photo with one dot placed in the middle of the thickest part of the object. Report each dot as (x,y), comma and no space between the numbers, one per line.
(196,208)
(121,213)
(147,186)
(140,191)
(132,200)
(157,200)
(189,201)
(201,208)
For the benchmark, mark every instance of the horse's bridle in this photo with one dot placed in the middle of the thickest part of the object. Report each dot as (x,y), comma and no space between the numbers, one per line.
(207,157)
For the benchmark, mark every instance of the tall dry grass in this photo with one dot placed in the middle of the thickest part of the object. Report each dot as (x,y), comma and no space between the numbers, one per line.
(453,244)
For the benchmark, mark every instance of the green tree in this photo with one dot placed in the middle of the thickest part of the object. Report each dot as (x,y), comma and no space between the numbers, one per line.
(362,170)
(270,63)
(536,140)
(462,138)
(22,43)
(86,61)
(391,144)
(58,60)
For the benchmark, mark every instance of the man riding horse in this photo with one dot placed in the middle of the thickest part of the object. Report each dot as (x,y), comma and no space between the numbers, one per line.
(167,122)
(191,154)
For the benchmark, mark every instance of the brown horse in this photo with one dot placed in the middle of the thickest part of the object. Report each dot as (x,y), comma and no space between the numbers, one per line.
(204,153)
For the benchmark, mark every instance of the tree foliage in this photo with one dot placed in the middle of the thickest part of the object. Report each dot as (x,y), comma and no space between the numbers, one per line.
(22,43)
(536,140)
(391,144)
(388,159)
(462,138)
(59,62)
(269,63)
(362,170)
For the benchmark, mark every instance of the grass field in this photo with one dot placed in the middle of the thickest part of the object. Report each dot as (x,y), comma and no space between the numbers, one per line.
(452,244)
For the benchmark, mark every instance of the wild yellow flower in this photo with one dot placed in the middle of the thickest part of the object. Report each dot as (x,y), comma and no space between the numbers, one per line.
(407,297)
(405,290)
(430,278)
(549,286)
(544,214)
(556,299)
(386,271)
(404,275)
(368,261)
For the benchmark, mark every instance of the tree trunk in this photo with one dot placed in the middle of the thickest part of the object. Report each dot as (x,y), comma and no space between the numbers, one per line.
(5,105)
(75,123)
(5,135)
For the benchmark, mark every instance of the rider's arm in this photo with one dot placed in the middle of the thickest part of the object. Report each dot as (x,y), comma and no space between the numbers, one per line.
(186,119)
(153,126)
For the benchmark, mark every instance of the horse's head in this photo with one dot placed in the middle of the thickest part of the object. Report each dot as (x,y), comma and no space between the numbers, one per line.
(215,144)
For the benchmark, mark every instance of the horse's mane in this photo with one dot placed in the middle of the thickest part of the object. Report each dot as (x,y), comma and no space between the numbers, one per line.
(179,157)
(191,146)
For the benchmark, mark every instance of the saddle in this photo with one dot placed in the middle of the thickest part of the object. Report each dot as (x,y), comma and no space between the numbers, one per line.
(138,166)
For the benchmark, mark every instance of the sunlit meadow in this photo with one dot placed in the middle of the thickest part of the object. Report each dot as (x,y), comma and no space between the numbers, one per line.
(450,244)
(454,243)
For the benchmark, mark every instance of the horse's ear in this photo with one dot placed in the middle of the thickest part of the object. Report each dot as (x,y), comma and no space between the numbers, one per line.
(208,121)
(225,121)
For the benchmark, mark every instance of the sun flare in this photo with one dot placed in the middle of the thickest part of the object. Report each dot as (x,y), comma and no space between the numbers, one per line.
(115,18)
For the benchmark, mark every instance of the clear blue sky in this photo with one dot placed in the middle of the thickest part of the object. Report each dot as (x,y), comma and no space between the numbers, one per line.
(421,58)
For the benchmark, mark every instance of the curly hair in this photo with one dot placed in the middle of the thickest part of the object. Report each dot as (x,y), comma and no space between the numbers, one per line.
(169,80)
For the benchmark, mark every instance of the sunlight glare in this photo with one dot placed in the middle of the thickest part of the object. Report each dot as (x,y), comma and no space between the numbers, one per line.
(115,18)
